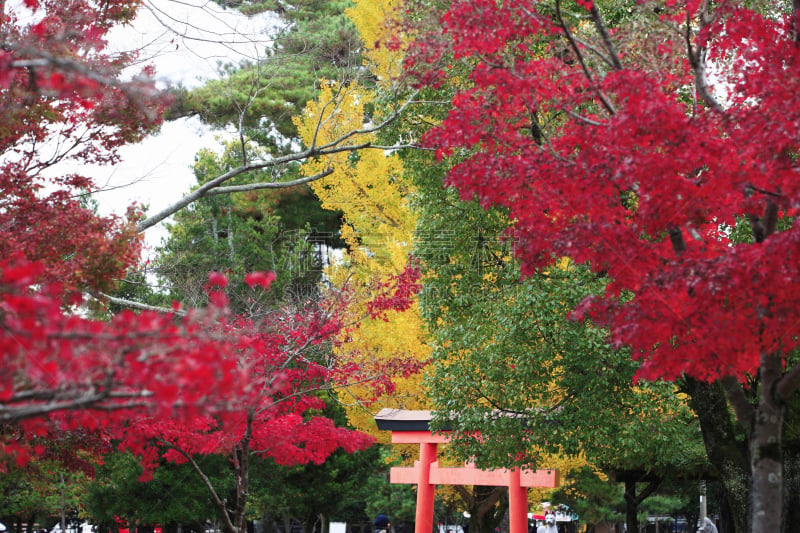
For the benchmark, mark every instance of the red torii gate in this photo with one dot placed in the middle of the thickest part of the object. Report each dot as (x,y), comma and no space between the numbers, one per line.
(412,427)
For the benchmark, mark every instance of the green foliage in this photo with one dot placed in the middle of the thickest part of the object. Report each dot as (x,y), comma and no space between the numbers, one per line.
(597,499)
(398,501)
(35,492)
(319,42)
(174,495)
(252,7)
(664,505)
(509,363)
(593,497)
(243,233)
(282,230)
(742,232)
(334,488)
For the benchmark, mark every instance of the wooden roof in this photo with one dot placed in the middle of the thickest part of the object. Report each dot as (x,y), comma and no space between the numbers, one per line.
(403,419)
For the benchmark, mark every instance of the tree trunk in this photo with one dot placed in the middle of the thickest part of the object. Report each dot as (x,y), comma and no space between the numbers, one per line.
(484,511)
(726,453)
(481,503)
(691,518)
(726,514)
(766,460)
(791,486)
(633,501)
(241,457)
(231,249)
(631,519)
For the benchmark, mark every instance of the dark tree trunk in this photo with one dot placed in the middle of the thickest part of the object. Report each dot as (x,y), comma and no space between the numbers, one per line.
(631,519)
(634,500)
(766,451)
(727,453)
(485,513)
(726,522)
(791,494)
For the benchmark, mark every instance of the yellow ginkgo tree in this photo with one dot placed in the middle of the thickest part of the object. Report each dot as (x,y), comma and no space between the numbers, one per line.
(370,190)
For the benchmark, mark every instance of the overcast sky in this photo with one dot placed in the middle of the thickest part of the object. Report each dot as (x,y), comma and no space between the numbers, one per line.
(186,40)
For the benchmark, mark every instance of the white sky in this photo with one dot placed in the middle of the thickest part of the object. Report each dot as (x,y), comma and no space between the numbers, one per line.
(186,40)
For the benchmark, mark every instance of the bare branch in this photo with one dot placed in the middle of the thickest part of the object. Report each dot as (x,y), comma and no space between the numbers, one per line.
(697,60)
(597,17)
(122,302)
(268,185)
(68,401)
(677,240)
(135,91)
(401,147)
(320,121)
(592,48)
(220,503)
(575,48)
(770,218)
(372,129)
(335,146)
(583,119)
(230,37)
(216,182)
(765,225)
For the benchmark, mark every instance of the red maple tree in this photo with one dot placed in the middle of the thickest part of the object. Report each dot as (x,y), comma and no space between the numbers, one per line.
(201,382)
(287,361)
(62,99)
(621,147)
(196,381)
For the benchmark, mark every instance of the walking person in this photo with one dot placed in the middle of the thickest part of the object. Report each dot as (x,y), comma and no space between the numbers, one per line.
(381,524)
(549,523)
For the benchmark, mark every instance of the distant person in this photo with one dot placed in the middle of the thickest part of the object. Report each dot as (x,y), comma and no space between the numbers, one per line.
(549,524)
(381,524)
(708,526)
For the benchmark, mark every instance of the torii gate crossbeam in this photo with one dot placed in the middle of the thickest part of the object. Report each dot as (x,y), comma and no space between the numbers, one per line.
(412,427)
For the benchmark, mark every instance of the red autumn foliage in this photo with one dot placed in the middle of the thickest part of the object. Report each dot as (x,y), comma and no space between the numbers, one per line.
(54,360)
(692,171)
(397,292)
(199,381)
(56,109)
(62,100)
(262,279)
(281,362)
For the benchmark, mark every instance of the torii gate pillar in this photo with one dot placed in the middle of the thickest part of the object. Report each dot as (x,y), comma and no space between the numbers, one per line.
(425,489)
(411,427)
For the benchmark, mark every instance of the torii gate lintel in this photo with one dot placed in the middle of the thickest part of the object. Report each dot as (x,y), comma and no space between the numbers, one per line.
(412,427)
